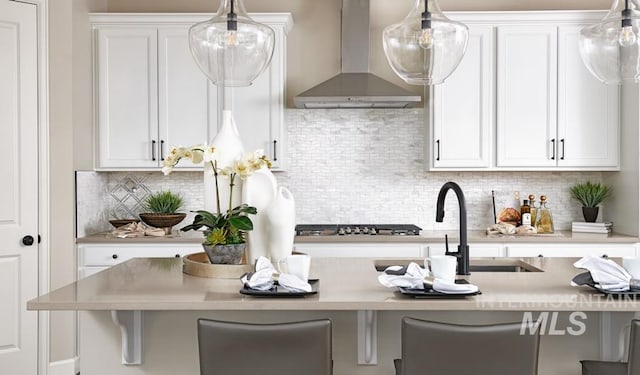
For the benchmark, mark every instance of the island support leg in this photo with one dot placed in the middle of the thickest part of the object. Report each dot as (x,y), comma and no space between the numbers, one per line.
(130,323)
(367,337)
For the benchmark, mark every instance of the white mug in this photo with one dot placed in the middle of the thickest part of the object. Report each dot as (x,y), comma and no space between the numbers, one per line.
(297,265)
(632,265)
(443,267)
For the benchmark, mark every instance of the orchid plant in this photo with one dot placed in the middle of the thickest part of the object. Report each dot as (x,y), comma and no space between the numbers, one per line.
(223,228)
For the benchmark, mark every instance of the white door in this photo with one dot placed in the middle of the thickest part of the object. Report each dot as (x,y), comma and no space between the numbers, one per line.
(527,96)
(463,107)
(588,110)
(19,187)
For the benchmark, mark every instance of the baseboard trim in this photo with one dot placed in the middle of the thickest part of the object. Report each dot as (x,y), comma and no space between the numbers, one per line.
(65,367)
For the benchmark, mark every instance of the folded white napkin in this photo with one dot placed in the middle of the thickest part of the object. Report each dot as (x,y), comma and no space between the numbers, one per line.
(607,274)
(265,276)
(133,230)
(414,279)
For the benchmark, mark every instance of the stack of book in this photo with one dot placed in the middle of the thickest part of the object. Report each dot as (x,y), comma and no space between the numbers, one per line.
(602,229)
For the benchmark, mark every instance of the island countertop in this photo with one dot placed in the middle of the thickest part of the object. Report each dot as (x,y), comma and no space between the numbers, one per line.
(345,284)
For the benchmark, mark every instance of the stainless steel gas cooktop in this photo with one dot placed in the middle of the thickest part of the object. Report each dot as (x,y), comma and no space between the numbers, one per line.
(357,230)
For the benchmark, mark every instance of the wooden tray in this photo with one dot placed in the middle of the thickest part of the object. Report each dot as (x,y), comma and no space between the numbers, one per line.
(197,264)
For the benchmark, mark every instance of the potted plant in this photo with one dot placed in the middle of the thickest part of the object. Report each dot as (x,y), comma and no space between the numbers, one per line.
(225,239)
(590,195)
(162,210)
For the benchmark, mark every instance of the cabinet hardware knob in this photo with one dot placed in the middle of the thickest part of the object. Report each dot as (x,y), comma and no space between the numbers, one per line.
(177,255)
(553,149)
(540,256)
(275,150)
(605,256)
(114,256)
(28,240)
(438,150)
(562,155)
(153,150)
(161,150)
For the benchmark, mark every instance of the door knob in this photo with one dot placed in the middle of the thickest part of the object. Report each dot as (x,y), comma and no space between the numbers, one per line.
(27,240)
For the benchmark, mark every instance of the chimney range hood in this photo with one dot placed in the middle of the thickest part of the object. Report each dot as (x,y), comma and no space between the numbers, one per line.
(355,87)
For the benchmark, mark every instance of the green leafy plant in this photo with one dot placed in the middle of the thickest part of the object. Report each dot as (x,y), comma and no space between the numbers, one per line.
(590,194)
(163,202)
(222,228)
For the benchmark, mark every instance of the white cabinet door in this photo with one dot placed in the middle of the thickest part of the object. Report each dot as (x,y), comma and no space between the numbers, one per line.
(259,109)
(588,110)
(463,112)
(187,101)
(527,96)
(127,93)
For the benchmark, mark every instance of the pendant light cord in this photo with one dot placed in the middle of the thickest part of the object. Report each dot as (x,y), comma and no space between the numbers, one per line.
(232,18)
(626,14)
(426,16)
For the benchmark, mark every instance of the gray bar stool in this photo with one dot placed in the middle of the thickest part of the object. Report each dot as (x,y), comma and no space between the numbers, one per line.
(228,348)
(619,368)
(451,349)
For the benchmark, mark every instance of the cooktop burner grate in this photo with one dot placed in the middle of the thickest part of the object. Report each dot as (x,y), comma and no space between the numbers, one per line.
(357,229)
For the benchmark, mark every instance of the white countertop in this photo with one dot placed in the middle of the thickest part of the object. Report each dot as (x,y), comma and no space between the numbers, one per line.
(345,284)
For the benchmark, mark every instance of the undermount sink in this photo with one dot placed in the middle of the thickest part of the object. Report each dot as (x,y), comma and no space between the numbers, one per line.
(476,265)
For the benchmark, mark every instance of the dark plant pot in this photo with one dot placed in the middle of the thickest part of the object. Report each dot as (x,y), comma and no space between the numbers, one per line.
(225,254)
(590,214)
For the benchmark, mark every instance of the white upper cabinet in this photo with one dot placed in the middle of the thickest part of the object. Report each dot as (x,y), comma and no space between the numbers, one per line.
(127,88)
(259,108)
(461,112)
(187,101)
(150,94)
(588,110)
(522,82)
(527,96)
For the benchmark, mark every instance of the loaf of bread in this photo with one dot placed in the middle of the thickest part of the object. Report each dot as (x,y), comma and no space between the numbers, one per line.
(509,215)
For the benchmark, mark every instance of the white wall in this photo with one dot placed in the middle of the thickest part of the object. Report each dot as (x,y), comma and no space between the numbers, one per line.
(70,102)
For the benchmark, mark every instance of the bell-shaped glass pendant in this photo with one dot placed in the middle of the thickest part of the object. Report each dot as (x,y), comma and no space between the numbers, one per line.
(609,48)
(231,48)
(426,47)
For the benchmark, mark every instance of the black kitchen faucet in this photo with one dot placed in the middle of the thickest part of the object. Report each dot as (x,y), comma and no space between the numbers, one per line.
(462,254)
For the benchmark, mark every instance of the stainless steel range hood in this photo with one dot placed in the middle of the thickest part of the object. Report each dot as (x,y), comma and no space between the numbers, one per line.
(355,87)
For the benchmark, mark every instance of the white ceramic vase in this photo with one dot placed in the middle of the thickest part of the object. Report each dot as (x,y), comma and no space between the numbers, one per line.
(281,225)
(229,148)
(259,191)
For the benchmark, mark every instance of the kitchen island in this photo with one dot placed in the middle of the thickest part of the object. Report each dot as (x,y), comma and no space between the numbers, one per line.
(157,305)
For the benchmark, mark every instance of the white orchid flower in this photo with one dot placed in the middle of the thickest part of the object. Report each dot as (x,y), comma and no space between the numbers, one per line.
(209,152)
(167,170)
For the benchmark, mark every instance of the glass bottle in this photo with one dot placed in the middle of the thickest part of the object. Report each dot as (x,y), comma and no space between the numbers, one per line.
(516,206)
(525,213)
(534,209)
(544,222)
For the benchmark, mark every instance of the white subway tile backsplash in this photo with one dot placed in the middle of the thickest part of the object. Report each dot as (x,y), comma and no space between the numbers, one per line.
(369,166)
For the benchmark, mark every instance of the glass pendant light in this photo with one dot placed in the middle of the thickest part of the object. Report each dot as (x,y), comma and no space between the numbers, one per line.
(231,48)
(426,47)
(610,48)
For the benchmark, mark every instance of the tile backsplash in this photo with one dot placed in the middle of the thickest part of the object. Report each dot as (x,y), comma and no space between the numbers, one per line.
(358,166)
